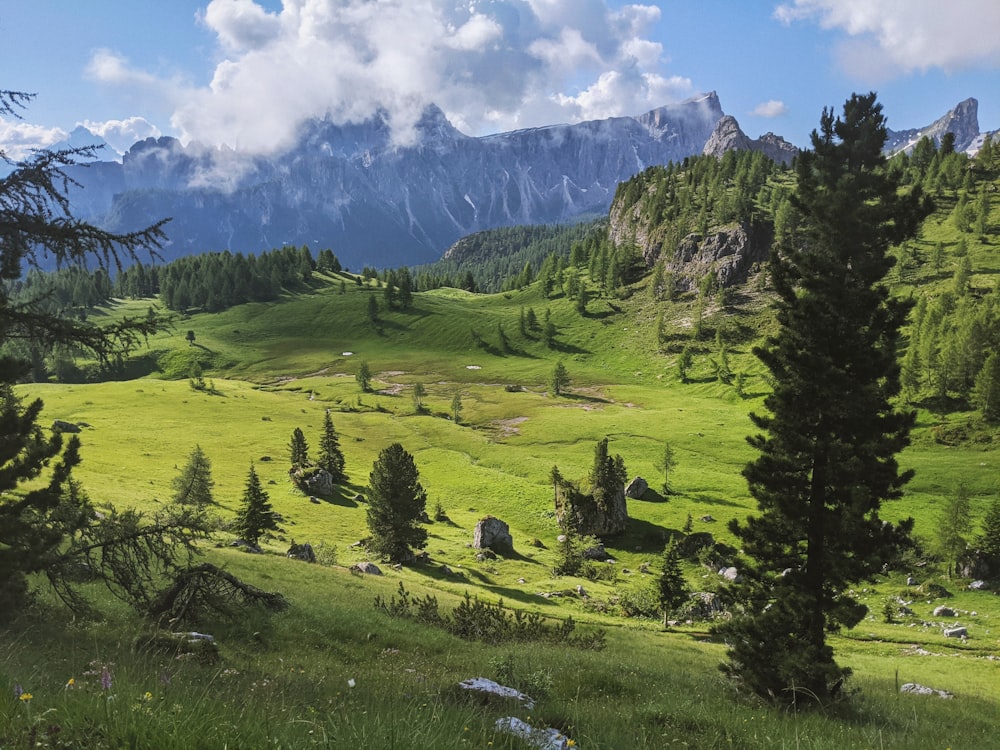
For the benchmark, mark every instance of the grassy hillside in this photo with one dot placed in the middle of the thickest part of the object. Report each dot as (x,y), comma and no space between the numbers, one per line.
(335,671)
(283,680)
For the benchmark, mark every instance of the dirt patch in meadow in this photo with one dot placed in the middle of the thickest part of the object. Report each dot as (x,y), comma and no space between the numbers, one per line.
(507,427)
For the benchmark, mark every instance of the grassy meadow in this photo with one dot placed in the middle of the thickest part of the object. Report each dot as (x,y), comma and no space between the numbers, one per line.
(283,680)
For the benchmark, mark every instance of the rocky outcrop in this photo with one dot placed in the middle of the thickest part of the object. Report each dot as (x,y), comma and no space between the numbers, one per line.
(603,517)
(492,533)
(728,136)
(729,254)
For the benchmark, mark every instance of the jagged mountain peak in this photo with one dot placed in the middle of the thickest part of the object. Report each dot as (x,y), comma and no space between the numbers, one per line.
(728,136)
(962,121)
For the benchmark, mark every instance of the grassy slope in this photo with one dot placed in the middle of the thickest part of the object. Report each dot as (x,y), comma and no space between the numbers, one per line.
(278,366)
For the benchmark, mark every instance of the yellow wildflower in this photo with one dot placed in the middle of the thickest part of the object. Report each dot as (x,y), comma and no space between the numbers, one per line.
(25,697)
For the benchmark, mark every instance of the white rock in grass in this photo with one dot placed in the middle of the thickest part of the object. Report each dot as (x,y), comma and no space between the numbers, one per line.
(917,689)
(543,739)
(483,685)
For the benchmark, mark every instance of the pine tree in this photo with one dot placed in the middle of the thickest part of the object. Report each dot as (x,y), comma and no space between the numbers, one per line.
(419,391)
(363,376)
(666,463)
(298,448)
(396,503)
(954,525)
(38,229)
(671,586)
(255,515)
(986,393)
(193,486)
(559,380)
(456,407)
(331,458)
(988,541)
(827,452)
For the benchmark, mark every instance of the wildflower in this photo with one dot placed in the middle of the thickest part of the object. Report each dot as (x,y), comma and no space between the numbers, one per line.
(147,696)
(570,743)
(70,682)
(105,678)
(18,690)
(25,697)
(351,683)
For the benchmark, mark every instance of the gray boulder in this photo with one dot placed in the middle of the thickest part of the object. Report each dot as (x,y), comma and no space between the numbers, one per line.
(636,488)
(959,632)
(492,533)
(367,567)
(61,426)
(313,481)
(944,611)
(303,552)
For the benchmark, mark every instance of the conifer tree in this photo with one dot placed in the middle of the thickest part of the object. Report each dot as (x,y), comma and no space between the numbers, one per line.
(954,525)
(331,458)
(559,380)
(396,503)
(298,448)
(255,515)
(988,541)
(828,444)
(37,228)
(193,486)
(671,587)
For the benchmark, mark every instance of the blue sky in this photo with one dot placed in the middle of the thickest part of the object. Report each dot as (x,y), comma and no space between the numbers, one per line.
(244,73)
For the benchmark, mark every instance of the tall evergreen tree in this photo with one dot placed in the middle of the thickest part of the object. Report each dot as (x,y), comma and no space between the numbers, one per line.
(331,458)
(39,506)
(672,589)
(827,451)
(298,448)
(255,515)
(954,525)
(193,486)
(396,503)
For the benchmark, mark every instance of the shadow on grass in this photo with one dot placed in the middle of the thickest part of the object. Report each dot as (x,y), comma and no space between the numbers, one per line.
(709,500)
(641,536)
(570,396)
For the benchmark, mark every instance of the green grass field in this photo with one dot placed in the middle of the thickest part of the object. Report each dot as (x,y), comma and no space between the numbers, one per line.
(283,680)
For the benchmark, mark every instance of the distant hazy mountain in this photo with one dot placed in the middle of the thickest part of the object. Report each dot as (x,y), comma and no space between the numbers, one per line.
(347,187)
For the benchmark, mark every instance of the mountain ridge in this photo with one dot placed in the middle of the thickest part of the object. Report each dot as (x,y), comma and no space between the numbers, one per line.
(351,188)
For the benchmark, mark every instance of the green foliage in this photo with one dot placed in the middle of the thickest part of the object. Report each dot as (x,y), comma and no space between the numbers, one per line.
(255,515)
(666,463)
(298,448)
(827,458)
(396,503)
(363,376)
(476,620)
(559,380)
(988,541)
(456,407)
(954,525)
(607,474)
(193,486)
(672,588)
(419,391)
(331,457)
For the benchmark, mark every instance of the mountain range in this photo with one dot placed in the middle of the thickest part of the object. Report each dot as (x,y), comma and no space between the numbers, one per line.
(349,188)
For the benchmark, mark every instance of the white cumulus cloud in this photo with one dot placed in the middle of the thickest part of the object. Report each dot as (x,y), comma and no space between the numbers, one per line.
(121,134)
(770,108)
(890,36)
(17,137)
(489,64)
